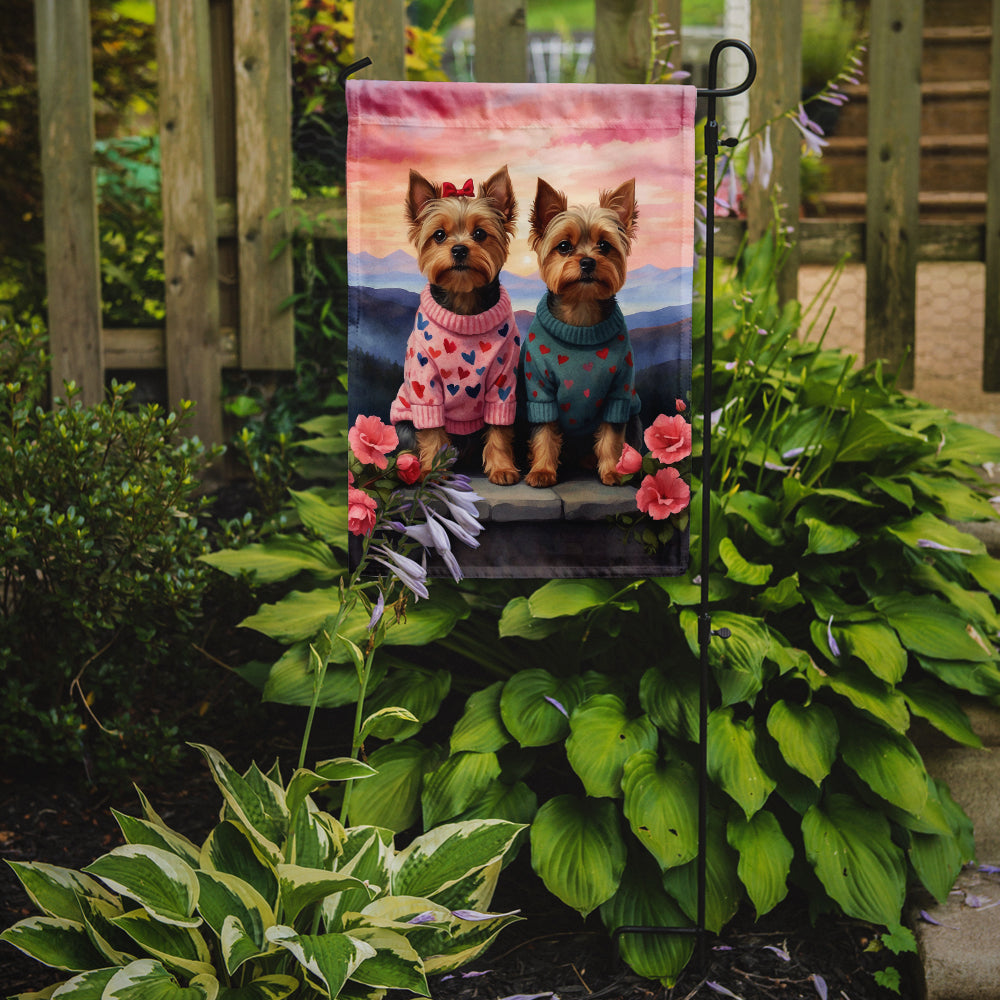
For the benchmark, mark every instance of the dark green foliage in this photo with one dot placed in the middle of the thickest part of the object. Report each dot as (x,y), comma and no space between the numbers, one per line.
(101,587)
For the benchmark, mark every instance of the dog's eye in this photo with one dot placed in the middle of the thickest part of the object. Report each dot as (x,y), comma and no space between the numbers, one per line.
(603,247)
(479,234)
(564,247)
(439,236)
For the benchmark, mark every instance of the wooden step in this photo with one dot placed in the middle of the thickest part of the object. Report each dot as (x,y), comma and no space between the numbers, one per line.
(945,12)
(956,53)
(957,206)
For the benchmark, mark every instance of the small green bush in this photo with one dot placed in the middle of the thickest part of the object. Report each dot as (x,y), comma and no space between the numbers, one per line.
(99,575)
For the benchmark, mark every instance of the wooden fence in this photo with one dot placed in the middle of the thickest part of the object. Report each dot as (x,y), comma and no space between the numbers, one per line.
(226,161)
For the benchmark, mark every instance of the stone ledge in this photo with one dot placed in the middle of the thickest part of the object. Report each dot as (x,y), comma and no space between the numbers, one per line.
(584,499)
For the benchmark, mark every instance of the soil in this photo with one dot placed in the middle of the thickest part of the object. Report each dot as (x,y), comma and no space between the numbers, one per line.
(550,953)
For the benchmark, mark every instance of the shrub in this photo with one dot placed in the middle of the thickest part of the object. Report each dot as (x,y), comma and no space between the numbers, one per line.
(99,546)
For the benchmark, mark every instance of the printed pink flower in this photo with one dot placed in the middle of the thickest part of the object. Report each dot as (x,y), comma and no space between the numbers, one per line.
(631,461)
(680,405)
(664,494)
(408,467)
(360,512)
(669,438)
(371,440)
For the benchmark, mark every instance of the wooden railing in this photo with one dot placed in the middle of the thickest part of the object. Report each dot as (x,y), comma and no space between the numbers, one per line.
(226,160)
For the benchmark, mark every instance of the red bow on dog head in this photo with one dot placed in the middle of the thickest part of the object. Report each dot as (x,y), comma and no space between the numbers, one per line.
(467,190)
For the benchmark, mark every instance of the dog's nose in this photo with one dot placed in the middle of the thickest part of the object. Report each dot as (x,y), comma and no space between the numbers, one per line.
(459,253)
(587,265)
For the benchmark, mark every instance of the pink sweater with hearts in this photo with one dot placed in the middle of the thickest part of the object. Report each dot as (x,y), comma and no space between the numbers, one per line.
(460,372)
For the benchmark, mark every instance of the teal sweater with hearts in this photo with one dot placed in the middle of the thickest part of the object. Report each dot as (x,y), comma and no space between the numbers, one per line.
(580,376)
(460,372)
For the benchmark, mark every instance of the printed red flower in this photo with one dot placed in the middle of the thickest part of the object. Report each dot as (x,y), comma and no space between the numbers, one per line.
(371,440)
(408,468)
(360,512)
(631,461)
(669,438)
(680,405)
(664,494)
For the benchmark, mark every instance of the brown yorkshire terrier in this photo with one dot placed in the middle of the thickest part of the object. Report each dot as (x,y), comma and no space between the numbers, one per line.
(460,370)
(578,365)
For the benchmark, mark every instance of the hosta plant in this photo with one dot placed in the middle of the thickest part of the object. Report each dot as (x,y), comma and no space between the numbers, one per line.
(279,900)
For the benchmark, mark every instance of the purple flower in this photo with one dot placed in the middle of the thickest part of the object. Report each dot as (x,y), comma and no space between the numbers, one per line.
(427,917)
(811,132)
(475,915)
(552,701)
(377,611)
(719,988)
(927,543)
(411,573)
(820,983)
(834,648)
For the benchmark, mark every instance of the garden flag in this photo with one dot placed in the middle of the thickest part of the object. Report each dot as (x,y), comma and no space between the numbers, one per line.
(520,264)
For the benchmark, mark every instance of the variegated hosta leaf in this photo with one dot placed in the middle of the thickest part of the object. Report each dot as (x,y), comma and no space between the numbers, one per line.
(578,851)
(395,964)
(661,805)
(328,959)
(642,902)
(850,847)
(256,801)
(441,857)
(141,831)
(732,760)
(304,782)
(467,940)
(225,897)
(807,736)
(87,986)
(147,979)
(602,737)
(159,881)
(56,891)
(54,941)
(177,947)
(99,915)
(535,706)
(476,890)
(315,838)
(888,763)
(481,727)
(230,849)
(366,855)
(274,987)
(456,784)
(765,858)
(301,887)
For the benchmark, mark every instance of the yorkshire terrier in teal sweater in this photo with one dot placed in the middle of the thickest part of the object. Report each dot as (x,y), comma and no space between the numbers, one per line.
(579,370)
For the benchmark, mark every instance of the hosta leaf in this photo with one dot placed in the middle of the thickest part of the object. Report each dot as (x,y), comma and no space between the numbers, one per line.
(828,539)
(419,691)
(279,558)
(301,887)
(807,736)
(941,709)
(888,763)
(366,855)
(739,569)
(441,857)
(141,831)
(466,941)
(304,782)
(516,803)
(159,881)
(958,502)
(327,520)
(291,680)
(578,851)
(985,569)
(732,760)
(391,798)
(671,700)
(481,728)
(661,800)
(641,901)
(180,948)
(225,897)
(765,858)
(54,941)
(530,706)
(456,784)
(864,691)
(395,964)
(297,616)
(602,738)
(330,959)
(976,678)
(783,595)
(56,891)
(928,528)
(937,859)
(876,646)
(230,849)
(560,598)
(147,979)
(389,723)
(932,628)
(758,511)
(738,661)
(870,435)
(518,621)
(850,848)
(98,916)
(274,987)
(87,986)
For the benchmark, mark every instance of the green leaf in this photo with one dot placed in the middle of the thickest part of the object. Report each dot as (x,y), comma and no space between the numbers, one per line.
(164,885)
(640,901)
(181,948)
(276,987)
(330,958)
(928,528)
(941,709)
(870,436)
(561,598)
(386,722)
(765,858)
(391,798)
(456,784)
(976,678)
(828,539)
(671,700)
(86,986)
(866,692)
(888,763)
(301,887)
(783,595)
(931,628)
(738,662)
(292,680)
(418,691)
(54,941)
(328,521)
(661,799)
(225,897)
(876,646)
(297,616)
(516,803)
(56,891)
(738,569)
(527,711)
(850,848)
(601,739)
(577,850)
(230,849)
(395,964)
(141,831)
(732,760)
(807,736)
(760,512)
(518,621)
(304,782)
(281,557)
(965,443)
(147,979)
(481,728)
(957,501)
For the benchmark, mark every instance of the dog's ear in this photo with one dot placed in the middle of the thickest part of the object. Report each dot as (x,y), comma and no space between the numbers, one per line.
(499,190)
(621,201)
(547,205)
(419,193)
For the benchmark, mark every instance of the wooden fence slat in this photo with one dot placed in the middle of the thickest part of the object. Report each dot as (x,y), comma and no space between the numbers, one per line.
(380,34)
(72,255)
(190,253)
(991,331)
(262,61)
(776,36)
(501,41)
(892,213)
(621,40)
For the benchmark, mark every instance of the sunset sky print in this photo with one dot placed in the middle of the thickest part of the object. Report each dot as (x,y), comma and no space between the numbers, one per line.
(581,139)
